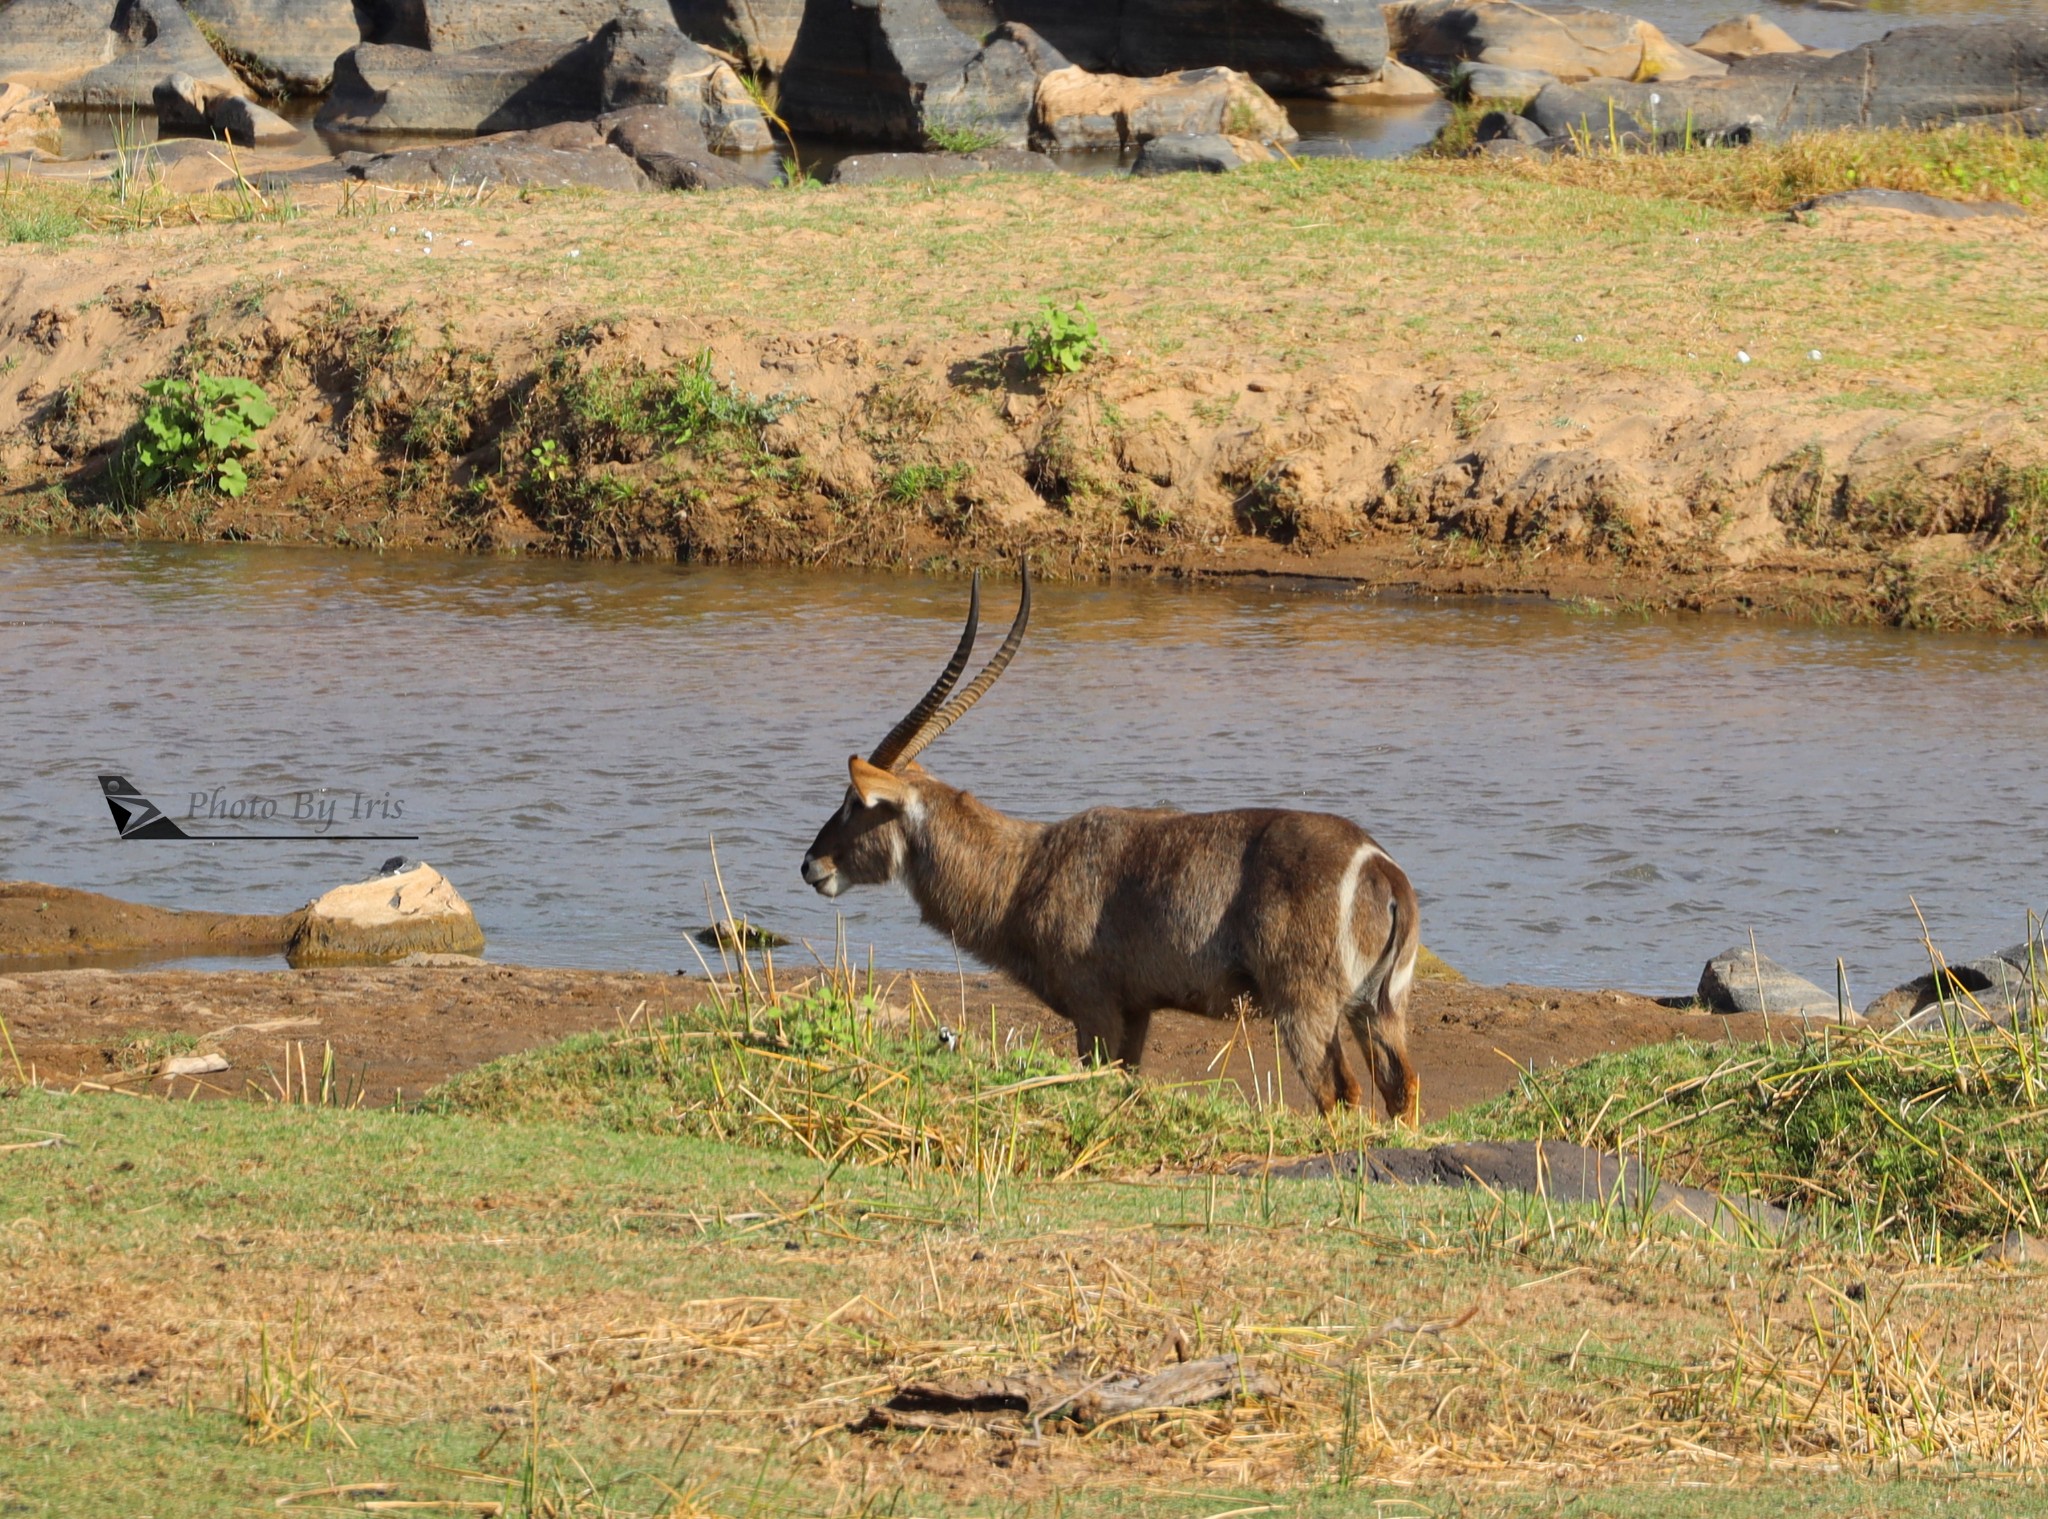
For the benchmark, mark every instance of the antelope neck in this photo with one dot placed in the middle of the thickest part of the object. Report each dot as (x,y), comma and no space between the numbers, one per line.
(964,865)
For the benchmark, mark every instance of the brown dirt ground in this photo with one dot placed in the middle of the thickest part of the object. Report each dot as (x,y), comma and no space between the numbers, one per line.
(54,921)
(400,1030)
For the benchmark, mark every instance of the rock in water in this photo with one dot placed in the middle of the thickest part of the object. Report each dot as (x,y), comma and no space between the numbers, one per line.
(386,918)
(1077,109)
(1746,37)
(1206,153)
(1730,984)
(185,104)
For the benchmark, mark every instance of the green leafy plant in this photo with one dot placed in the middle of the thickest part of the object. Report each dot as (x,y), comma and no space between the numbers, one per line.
(198,428)
(956,137)
(1058,342)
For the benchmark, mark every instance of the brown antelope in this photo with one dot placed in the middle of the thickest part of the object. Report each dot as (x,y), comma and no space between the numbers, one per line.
(1114,913)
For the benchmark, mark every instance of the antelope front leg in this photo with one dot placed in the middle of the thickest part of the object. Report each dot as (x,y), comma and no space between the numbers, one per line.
(1099,1034)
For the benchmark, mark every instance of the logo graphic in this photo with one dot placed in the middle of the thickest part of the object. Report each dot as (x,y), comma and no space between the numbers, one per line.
(137,817)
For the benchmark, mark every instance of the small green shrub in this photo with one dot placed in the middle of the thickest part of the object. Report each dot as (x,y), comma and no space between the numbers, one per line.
(953,137)
(198,429)
(1058,342)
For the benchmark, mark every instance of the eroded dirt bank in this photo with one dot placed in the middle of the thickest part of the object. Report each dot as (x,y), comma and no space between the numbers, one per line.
(396,1031)
(466,390)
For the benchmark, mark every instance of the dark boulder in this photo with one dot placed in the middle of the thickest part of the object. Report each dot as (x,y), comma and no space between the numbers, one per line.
(1506,126)
(1284,44)
(760,31)
(1205,153)
(899,71)
(668,146)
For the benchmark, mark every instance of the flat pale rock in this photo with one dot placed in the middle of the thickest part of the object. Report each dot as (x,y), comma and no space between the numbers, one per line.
(1074,109)
(414,911)
(193,1065)
(1910,203)
(1396,83)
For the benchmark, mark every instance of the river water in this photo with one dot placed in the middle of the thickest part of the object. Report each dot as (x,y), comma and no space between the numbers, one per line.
(1581,799)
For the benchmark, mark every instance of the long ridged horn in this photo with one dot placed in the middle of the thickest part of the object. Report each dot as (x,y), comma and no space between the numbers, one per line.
(892,748)
(955,709)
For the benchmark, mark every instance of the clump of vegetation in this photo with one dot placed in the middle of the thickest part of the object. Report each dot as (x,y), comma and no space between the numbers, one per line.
(1058,342)
(834,1072)
(196,428)
(959,137)
(1903,1139)
(1962,162)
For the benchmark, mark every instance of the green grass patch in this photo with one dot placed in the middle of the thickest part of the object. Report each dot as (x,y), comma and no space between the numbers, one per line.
(1937,1144)
(833,1074)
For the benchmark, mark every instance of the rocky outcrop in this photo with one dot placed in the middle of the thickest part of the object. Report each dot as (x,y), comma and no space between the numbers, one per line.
(28,122)
(1075,109)
(897,71)
(108,55)
(294,42)
(645,62)
(183,104)
(1567,44)
(411,910)
(1287,45)
(1196,153)
(1741,981)
(1919,76)
(1395,83)
(647,148)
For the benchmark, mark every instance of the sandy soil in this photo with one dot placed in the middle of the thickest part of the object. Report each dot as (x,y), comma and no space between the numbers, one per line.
(56,921)
(400,1030)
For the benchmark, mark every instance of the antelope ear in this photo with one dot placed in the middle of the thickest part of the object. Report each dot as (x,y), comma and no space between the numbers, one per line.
(876,786)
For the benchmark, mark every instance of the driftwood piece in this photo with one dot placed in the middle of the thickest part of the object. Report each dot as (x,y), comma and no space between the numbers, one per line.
(1032,1398)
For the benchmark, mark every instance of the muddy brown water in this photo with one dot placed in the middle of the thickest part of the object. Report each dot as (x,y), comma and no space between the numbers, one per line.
(1582,800)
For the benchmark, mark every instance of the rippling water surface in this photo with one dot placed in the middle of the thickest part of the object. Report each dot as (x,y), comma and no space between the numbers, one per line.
(1581,800)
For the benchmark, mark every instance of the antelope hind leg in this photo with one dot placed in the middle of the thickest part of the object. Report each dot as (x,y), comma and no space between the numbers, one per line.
(1383,1035)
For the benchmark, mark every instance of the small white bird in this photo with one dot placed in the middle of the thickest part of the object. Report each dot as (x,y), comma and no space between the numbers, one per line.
(948,1038)
(1741,357)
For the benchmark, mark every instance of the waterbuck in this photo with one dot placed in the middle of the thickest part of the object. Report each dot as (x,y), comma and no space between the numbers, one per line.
(1116,912)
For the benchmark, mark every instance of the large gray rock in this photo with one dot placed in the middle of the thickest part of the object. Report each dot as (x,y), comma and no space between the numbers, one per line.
(1999,984)
(647,62)
(894,168)
(1566,43)
(296,41)
(460,26)
(512,87)
(897,70)
(668,146)
(1489,81)
(1287,45)
(1506,126)
(105,55)
(1739,981)
(1919,76)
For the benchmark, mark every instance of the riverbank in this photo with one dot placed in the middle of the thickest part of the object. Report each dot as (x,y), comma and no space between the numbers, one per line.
(1447,376)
